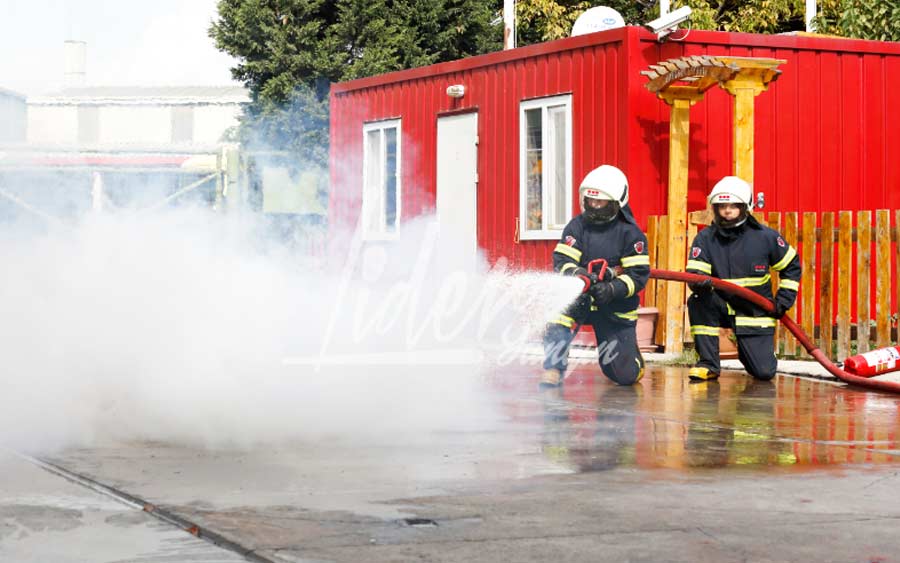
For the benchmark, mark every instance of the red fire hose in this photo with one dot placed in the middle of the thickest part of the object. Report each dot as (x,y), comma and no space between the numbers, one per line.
(801,336)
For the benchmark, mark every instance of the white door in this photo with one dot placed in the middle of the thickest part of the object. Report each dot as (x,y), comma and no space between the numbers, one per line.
(457,181)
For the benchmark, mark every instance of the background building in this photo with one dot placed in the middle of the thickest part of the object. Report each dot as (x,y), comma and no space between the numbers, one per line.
(12,117)
(93,118)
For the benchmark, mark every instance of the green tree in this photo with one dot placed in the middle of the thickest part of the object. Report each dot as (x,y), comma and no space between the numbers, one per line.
(544,20)
(860,19)
(750,16)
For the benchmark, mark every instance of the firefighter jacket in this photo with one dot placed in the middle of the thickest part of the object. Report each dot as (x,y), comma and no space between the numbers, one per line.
(624,246)
(743,256)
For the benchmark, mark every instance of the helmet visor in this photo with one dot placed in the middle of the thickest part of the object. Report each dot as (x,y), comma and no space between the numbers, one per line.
(734,220)
(600,215)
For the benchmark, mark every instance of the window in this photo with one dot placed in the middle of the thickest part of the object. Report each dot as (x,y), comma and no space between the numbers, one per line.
(381,179)
(545,160)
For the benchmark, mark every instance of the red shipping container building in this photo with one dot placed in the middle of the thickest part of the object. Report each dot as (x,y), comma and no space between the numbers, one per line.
(504,150)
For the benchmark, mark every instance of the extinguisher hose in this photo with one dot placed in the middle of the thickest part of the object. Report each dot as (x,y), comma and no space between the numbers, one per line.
(769,307)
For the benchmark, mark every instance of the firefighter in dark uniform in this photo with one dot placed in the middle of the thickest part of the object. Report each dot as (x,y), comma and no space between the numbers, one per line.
(605,229)
(738,249)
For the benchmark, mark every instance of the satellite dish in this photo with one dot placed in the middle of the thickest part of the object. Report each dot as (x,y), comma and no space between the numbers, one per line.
(596,19)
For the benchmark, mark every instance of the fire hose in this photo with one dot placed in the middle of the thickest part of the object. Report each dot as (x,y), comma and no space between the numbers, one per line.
(799,334)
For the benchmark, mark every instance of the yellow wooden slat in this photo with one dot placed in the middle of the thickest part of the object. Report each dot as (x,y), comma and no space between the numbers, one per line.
(789,343)
(897,268)
(826,284)
(652,238)
(863,278)
(883,278)
(661,258)
(844,282)
(774,221)
(808,287)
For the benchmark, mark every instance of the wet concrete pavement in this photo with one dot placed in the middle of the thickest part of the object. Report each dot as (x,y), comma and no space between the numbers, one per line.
(44,518)
(733,470)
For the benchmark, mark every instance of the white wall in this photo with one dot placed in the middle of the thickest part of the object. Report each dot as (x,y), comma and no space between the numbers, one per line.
(129,124)
(52,125)
(12,118)
(135,125)
(211,121)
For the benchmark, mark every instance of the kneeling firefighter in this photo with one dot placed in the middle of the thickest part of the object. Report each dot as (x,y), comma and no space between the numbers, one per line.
(738,249)
(605,229)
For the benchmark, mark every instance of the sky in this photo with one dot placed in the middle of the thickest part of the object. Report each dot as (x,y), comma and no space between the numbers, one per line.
(129,43)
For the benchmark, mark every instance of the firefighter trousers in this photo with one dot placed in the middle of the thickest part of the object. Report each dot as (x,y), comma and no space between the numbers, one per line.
(617,349)
(756,347)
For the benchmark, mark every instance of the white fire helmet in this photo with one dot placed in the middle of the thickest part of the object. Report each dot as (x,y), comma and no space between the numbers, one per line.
(731,189)
(605,182)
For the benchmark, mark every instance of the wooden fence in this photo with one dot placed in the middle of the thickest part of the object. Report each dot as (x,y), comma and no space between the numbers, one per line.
(849,293)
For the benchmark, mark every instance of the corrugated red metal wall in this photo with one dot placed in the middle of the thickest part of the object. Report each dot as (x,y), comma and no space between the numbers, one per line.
(823,130)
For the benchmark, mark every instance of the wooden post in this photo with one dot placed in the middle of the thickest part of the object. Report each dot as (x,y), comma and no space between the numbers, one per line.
(744,91)
(883,275)
(863,278)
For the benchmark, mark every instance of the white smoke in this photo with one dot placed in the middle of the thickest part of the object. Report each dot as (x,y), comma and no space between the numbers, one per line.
(196,328)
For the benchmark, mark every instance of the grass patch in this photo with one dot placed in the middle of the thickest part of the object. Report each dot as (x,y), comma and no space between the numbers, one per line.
(687,358)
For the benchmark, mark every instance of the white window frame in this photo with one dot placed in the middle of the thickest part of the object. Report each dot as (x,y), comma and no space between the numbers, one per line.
(548,162)
(368,198)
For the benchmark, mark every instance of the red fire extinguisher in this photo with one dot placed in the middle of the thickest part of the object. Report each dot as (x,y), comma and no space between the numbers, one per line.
(874,363)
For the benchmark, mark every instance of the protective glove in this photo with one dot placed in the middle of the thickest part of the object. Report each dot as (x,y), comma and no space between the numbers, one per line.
(780,309)
(611,273)
(603,292)
(588,278)
(702,287)
(784,300)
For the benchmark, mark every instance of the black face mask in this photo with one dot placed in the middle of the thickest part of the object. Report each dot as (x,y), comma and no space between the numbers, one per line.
(601,215)
(723,224)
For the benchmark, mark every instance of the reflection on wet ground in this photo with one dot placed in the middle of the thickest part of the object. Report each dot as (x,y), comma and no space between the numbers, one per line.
(667,422)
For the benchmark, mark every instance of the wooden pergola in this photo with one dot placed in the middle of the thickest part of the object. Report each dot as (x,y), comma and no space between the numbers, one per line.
(681,83)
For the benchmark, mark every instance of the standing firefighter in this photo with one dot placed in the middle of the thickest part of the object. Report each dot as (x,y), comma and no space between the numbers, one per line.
(738,249)
(605,229)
